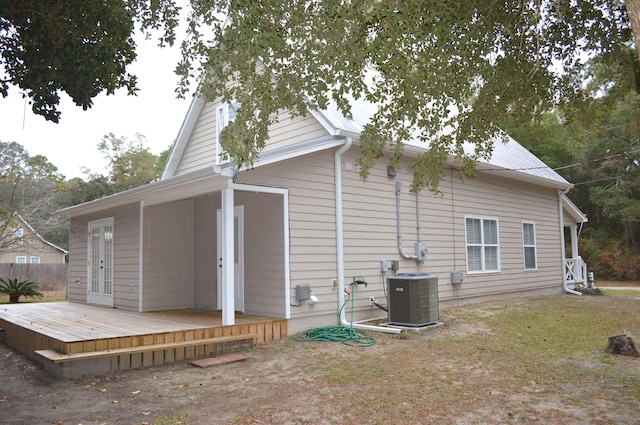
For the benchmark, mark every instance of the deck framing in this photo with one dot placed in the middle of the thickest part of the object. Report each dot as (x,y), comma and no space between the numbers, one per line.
(71,339)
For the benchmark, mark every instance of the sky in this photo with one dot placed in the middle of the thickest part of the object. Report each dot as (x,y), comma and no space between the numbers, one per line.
(71,144)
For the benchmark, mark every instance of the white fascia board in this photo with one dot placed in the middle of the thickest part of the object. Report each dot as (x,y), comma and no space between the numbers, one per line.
(573,210)
(298,149)
(172,189)
(333,128)
(189,123)
(523,177)
(39,236)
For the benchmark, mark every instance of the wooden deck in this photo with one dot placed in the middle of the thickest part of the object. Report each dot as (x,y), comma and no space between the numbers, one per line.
(71,339)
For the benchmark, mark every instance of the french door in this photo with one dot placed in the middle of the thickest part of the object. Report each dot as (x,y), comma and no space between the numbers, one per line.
(100,262)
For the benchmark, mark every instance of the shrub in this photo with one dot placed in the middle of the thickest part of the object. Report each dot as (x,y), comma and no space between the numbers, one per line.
(19,288)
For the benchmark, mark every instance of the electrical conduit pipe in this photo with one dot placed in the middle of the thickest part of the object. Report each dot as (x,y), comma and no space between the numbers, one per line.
(340,245)
(400,250)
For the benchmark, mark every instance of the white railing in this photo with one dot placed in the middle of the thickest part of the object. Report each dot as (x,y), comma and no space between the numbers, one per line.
(575,271)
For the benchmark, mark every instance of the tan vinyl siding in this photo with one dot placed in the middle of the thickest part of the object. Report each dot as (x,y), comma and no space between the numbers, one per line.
(201,147)
(263,252)
(370,230)
(29,245)
(290,130)
(77,286)
(47,254)
(181,258)
(205,255)
(168,256)
(200,151)
(309,180)
(126,254)
(264,276)
(126,257)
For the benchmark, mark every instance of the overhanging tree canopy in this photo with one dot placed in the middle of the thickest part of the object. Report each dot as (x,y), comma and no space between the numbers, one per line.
(444,72)
(82,48)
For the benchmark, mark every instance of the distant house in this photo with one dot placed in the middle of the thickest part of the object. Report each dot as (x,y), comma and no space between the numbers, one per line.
(287,237)
(23,245)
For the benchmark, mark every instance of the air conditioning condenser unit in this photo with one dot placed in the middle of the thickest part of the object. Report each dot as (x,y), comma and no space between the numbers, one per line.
(413,299)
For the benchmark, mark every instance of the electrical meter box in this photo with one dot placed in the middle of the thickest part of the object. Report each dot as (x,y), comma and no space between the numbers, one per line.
(303,291)
(413,299)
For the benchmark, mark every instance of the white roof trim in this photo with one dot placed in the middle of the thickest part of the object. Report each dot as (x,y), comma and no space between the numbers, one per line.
(509,158)
(169,190)
(571,208)
(43,240)
(188,124)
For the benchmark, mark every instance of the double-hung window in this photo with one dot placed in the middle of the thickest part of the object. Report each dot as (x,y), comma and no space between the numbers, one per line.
(225,114)
(482,242)
(35,259)
(529,245)
(21,259)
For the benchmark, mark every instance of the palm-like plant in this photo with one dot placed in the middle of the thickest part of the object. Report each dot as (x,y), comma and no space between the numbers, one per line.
(19,288)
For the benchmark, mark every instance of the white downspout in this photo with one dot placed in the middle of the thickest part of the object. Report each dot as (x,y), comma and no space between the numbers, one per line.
(561,212)
(340,244)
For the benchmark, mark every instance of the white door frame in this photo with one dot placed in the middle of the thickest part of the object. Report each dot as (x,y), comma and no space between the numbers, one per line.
(238,269)
(100,282)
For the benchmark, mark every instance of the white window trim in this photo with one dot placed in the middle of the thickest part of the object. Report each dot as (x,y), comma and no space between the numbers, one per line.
(18,234)
(21,257)
(222,120)
(482,245)
(534,246)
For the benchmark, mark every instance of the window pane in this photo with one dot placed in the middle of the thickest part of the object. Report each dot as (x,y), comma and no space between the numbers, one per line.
(528,234)
(35,259)
(474,235)
(490,232)
(474,258)
(529,257)
(233,111)
(21,259)
(491,258)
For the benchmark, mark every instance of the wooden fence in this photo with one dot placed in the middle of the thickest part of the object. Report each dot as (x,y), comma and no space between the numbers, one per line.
(45,274)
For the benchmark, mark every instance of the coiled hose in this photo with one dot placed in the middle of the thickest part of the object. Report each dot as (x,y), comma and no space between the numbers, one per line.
(347,335)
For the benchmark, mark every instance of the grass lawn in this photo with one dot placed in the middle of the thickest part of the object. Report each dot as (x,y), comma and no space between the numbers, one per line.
(528,361)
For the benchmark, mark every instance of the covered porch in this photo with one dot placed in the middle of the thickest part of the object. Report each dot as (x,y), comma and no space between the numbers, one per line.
(198,241)
(573,266)
(71,339)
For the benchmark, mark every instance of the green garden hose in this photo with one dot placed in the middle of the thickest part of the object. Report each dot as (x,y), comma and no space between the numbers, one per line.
(347,335)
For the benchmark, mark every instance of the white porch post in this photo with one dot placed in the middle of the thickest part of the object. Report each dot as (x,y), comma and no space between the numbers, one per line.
(228,307)
(574,241)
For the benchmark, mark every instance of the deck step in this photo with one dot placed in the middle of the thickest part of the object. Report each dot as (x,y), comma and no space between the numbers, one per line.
(214,361)
(57,357)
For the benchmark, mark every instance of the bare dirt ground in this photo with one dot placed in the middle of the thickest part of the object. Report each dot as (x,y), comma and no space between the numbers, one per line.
(520,362)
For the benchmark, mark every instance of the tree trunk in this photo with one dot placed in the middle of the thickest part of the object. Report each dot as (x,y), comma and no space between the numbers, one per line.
(633,10)
(13,298)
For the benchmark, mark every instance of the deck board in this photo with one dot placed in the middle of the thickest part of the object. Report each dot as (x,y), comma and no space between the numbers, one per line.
(95,340)
(72,322)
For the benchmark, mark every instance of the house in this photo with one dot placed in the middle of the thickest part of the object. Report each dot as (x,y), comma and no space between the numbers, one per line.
(23,245)
(287,237)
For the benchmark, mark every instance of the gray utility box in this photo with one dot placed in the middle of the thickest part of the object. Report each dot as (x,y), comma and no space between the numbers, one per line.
(413,299)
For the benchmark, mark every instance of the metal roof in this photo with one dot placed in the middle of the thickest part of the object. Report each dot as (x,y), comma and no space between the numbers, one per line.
(507,156)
